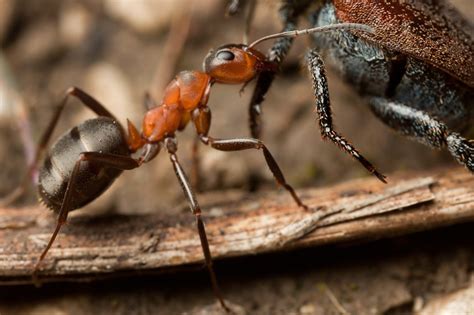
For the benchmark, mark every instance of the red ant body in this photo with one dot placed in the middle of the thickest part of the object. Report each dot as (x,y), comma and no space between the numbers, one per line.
(186,96)
(85,161)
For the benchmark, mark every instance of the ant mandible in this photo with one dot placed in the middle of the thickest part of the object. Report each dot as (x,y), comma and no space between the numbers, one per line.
(85,161)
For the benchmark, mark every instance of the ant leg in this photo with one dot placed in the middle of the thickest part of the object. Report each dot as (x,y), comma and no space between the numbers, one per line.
(86,100)
(196,210)
(424,128)
(196,170)
(104,159)
(323,108)
(89,102)
(248,143)
(289,13)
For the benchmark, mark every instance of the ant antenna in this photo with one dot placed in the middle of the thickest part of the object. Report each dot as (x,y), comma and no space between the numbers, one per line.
(320,29)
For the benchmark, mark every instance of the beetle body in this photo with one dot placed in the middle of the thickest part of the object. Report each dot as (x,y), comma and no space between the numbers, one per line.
(416,69)
(101,134)
(409,78)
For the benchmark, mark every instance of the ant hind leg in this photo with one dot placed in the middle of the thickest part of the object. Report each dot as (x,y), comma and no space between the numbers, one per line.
(104,159)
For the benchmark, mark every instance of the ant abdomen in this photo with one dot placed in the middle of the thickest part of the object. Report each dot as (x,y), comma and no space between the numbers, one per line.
(101,134)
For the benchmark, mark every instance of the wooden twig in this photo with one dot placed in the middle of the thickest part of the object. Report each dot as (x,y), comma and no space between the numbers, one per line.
(90,247)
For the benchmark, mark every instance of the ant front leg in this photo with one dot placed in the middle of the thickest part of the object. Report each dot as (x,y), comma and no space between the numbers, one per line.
(89,102)
(171,146)
(424,128)
(323,109)
(100,159)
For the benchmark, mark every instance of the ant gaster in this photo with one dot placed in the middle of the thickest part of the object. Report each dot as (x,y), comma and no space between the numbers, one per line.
(85,161)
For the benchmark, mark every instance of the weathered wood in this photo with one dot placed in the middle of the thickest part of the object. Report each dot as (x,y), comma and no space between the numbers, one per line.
(90,247)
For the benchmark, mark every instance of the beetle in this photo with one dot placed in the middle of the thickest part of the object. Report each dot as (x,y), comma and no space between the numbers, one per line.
(86,159)
(416,71)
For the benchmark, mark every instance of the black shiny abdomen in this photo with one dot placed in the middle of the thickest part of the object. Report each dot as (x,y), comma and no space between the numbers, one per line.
(101,134)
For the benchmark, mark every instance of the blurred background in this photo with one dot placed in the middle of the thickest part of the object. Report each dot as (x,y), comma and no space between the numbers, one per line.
(118,49)
(114,49)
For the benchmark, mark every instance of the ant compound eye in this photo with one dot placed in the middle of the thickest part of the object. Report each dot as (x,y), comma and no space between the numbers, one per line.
(232,64)
(225,55)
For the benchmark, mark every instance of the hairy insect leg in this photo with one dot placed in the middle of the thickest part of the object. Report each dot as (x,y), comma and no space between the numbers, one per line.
(323,109)
(289,12)
(424,128)
(265,79)
(248,143)
(86,100)
(105,159)
(171,146)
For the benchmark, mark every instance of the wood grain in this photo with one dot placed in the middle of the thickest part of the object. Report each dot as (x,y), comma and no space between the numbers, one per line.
(91,246)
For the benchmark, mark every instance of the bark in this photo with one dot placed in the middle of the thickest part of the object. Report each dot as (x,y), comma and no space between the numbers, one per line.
(93,247)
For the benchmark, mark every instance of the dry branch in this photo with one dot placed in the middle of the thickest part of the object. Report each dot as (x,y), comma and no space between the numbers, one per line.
(361,209)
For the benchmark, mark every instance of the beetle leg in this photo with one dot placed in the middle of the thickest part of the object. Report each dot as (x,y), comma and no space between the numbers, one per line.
(239,144)
(86,100)
(323,109)
(424,128)
(265,79)
(104,159)
(171,146)
(234,6)
(289,13)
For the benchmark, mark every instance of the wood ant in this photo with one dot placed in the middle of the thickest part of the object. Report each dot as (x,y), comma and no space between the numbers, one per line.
(86,160)
(416,71)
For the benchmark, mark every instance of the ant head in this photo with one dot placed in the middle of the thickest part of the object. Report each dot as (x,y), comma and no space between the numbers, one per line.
(234,64)
(237,63)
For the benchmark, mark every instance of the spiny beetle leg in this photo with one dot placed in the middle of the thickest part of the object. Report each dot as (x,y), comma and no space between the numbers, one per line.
(424,128)
(323,109)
